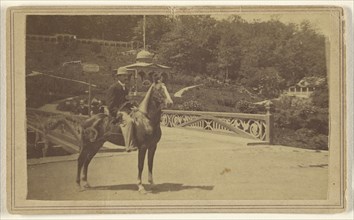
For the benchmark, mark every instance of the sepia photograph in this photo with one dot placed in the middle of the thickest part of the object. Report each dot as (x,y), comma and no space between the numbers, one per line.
(191,108)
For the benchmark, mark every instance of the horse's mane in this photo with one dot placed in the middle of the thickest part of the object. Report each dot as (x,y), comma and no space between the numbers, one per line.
(143,107)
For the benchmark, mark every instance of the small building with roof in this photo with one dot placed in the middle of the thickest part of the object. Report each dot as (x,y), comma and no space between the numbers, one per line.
(305,87)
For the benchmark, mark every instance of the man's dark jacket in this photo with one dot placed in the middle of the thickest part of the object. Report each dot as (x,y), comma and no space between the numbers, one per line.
(115,97)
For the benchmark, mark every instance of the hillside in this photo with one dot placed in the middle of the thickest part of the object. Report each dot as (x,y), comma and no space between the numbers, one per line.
(49,58)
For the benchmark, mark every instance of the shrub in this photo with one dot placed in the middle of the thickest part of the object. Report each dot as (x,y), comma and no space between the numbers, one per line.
(303,134)
(311,118)
(226,102)
(64,45)
(288,119)
(320,96)
(246,107)
(181,79)
(300,124)
(319,142)
(318,122)
(312,139)
(96,48)
(302,138)
(191,106)
(266,81)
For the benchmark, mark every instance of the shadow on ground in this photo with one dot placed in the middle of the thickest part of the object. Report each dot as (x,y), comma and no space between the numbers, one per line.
(109,150)
(155,189)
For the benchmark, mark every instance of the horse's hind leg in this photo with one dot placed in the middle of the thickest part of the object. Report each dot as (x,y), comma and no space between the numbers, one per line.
(141,159)
(45,148)
(80,163)
(87,161)
(151,154)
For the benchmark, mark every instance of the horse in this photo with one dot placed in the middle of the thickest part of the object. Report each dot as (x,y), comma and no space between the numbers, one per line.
(147,133)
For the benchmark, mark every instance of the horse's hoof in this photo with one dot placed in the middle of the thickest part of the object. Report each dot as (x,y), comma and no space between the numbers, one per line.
(80,188)
(142,190)
(84,188)
(86,185)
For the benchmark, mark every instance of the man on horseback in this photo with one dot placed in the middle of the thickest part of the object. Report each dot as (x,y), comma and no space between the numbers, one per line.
(120,107)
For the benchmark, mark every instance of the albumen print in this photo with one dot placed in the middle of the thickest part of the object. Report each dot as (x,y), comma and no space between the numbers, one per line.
(185,109)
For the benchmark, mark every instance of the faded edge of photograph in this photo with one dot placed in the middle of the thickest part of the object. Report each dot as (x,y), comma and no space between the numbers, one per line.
(231,106)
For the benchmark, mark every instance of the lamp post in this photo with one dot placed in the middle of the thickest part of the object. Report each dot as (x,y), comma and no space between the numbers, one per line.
(144,36)
(136,82)
(90,68)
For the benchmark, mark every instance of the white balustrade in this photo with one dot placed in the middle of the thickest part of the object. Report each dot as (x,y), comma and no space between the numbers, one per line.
(256,126)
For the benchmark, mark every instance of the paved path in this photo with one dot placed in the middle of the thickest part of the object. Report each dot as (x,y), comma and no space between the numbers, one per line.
(53,109)
(189,164)
(180,92)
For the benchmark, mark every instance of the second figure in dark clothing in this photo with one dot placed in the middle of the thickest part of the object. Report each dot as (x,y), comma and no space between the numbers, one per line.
(118,104)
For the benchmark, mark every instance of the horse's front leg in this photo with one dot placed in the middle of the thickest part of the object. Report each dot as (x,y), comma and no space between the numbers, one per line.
(141,159)
(151,154)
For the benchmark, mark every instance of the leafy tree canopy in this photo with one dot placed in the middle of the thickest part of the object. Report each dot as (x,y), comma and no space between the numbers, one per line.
(260,54)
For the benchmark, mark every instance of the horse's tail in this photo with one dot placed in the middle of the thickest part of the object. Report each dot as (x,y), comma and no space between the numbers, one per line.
(90,128)
(54,122)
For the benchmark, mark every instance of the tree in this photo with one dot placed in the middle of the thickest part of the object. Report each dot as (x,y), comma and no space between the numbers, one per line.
(189,46)
(106,27)
(229,51)
(264,81)
(156,26)
(303,54)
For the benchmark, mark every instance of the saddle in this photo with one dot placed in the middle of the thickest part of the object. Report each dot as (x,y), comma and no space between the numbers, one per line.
(105,127)
(101,127)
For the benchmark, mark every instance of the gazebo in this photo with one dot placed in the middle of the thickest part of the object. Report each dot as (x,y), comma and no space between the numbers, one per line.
(143,70)
(305,87)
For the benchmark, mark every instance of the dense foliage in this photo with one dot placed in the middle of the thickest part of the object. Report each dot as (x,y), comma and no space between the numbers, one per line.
(118,28)
(298,122)
(264,56)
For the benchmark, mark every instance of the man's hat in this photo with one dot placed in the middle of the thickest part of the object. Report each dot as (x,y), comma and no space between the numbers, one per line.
(122,71)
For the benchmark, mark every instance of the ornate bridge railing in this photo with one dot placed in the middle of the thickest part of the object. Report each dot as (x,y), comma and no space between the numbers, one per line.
(65,129)
(255,126)
(58,128)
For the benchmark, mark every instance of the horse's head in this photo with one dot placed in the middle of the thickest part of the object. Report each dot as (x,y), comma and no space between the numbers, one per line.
(159,94)
(156,98)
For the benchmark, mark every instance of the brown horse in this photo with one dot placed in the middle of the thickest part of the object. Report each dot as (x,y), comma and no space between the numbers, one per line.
(100,128)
